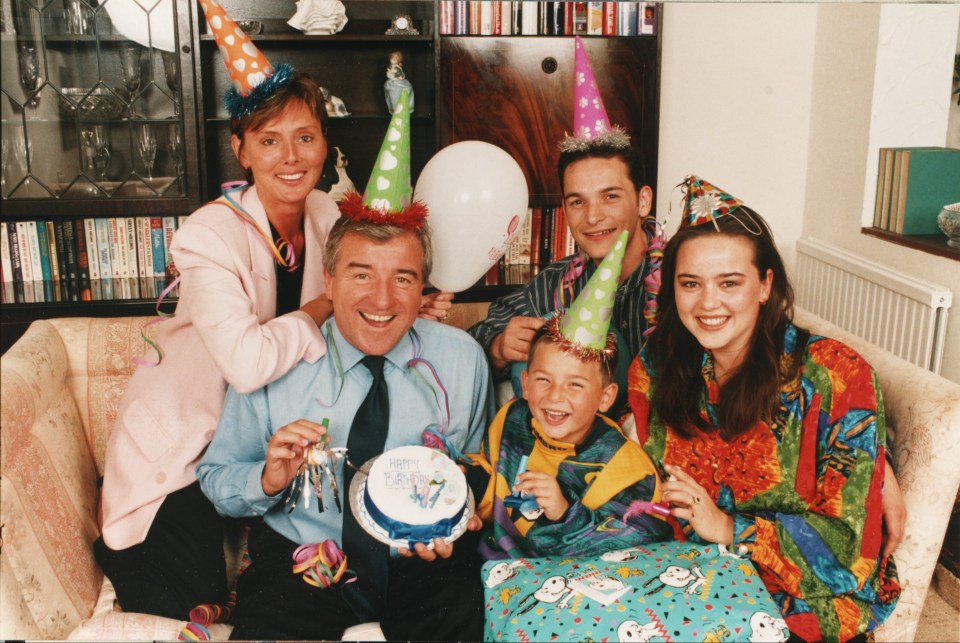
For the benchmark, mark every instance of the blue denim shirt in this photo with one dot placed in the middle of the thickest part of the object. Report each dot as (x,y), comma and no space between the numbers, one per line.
(229,472)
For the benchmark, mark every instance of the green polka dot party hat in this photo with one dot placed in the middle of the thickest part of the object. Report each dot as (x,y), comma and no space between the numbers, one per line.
(388,197)
(583,328)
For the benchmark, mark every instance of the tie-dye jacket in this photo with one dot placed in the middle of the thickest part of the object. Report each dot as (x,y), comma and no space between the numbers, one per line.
(600,478)
(804,491)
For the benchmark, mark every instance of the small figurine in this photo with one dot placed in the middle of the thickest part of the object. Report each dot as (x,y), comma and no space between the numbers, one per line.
(319,17)
(336,186)
(396,82)
(336,108)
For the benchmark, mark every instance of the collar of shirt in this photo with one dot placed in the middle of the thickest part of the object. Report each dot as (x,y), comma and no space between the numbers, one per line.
(349,355)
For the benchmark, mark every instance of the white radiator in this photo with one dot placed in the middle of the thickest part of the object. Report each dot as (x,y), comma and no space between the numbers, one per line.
(903,314)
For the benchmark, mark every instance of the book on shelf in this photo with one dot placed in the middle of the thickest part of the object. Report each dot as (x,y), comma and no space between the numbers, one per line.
(580,18)
(43,248)
(59,246)
(881,208)
(474,17)
(929,178)
(530,18)
(445,22)
(33,240)
(627,21)
(506,18)
(461,17)
(51,238)
(610,18)
(486,17)
(143,245)
(169,227)
(5,266)
(16,261)
(132,251)
(647,18)
(93,250)
(71,290)
(103,249)
(156,248)
(83,263)
(556,20)
(594,18)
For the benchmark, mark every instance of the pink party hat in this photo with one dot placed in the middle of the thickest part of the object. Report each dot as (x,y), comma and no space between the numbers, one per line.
(251,74)
(591,126)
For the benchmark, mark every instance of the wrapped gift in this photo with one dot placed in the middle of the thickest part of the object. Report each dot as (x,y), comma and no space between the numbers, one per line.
(669,591)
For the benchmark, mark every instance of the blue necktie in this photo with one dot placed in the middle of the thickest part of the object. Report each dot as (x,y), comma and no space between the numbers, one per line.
(367,556)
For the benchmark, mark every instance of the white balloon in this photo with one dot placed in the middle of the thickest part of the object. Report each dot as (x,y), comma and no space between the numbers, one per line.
(477,197)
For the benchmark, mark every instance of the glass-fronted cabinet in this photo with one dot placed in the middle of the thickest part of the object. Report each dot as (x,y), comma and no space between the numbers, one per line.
(95,109)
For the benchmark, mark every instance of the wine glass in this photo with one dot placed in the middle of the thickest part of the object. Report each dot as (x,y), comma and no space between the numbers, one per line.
(4,155)
(23,151)
(172,75)
(96,149)
(130,67)
(29,70)
(175,147)
(147,144)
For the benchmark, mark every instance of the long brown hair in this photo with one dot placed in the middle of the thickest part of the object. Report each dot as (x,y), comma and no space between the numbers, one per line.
(751,393)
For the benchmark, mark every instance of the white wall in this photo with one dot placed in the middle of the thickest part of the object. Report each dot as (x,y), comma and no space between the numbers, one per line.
(735,106)
(785,106)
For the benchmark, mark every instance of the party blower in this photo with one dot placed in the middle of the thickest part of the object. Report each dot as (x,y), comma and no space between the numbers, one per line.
(477,197)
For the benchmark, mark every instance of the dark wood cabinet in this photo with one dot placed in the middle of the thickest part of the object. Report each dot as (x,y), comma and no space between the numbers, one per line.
(514,92)
(517,93)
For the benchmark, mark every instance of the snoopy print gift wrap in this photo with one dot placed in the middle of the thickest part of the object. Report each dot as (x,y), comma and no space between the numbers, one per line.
(667,591)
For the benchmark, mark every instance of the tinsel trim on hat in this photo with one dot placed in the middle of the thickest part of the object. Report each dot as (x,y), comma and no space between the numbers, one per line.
(616,137)
(239,106)
(411,217)
(583,353)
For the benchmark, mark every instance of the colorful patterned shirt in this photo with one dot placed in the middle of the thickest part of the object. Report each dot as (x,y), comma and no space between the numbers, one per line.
(599,478)
(804,491)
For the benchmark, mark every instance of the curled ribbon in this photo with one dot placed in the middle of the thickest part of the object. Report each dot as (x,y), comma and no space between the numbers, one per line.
(322,564)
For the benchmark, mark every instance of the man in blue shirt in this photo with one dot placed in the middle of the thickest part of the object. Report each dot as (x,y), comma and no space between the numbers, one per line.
(436,376)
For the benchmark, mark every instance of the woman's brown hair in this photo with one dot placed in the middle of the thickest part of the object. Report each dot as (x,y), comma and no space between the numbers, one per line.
(751,393)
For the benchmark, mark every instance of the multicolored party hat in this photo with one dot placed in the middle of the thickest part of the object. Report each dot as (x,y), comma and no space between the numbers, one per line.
(704,202)
(387,199)
(583,329)
(251,74)
(591,126)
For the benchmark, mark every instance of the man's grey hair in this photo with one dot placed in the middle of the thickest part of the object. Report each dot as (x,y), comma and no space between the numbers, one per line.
(375,232)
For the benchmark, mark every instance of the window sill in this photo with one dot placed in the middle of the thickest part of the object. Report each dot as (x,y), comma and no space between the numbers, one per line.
(934,244)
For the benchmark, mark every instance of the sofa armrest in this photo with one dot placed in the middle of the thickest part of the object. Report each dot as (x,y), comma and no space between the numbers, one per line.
(923,417)
(48,500)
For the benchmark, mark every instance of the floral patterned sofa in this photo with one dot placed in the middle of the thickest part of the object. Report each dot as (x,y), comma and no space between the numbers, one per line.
(60,385)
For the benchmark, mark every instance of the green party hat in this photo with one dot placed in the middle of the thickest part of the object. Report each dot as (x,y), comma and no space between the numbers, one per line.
(387,199)
(583,329)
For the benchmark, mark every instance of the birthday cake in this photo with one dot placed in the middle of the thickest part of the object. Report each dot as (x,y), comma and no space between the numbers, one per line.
(414,494)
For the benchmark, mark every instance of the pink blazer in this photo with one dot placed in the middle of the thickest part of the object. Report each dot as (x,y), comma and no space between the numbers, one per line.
(225,331)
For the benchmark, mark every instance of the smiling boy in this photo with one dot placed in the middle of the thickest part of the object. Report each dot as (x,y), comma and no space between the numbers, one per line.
(563,476)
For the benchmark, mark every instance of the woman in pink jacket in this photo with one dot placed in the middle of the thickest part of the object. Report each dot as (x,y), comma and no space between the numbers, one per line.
(251,302)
